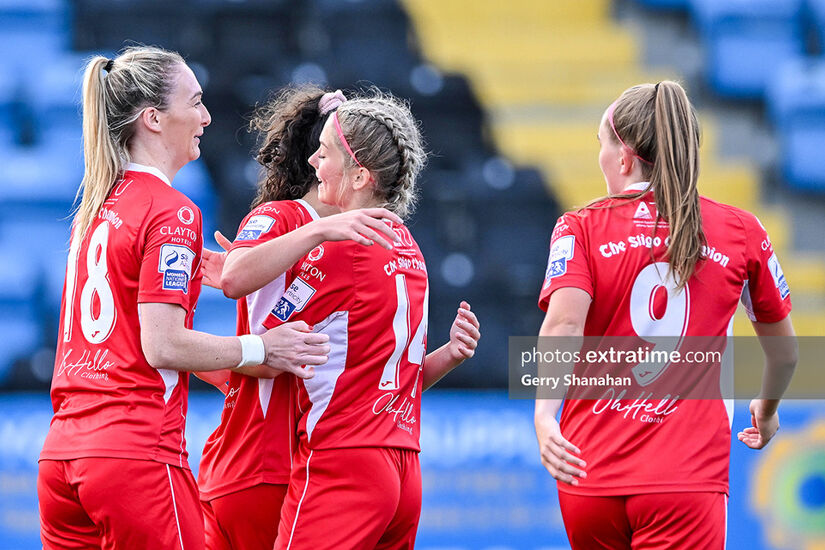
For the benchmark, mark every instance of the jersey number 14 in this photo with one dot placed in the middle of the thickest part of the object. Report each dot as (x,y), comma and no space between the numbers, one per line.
(401,330)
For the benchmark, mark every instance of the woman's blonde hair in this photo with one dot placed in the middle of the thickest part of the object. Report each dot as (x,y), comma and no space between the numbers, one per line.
(385,138)
(659,123)
(115,93)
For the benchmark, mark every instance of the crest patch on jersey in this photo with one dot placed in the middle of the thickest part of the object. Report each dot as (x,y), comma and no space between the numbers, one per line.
(176,266)
(560,252)
(295,298)
(185,215)
(255,226)
(778,276)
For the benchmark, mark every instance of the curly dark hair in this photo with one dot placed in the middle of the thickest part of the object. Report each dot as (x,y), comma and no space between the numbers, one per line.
(289,126)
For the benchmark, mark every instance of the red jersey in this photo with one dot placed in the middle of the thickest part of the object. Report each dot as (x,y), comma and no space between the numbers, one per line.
(372,303)
(631,447)
(256,438)
(144,246)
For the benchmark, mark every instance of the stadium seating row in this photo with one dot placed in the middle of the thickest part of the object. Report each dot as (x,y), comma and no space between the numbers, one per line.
(240,52)
(771,51)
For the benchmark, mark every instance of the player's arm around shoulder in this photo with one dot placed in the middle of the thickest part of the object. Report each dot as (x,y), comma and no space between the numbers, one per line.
(249,269)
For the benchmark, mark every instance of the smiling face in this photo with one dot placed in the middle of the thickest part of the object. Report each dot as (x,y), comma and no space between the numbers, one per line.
(334,188)
(185,117)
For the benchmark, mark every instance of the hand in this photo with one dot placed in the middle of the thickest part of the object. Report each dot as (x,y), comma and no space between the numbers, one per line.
(291,346)
(364,226)
(464,334)
(764,427)
(212,264)
(557,454)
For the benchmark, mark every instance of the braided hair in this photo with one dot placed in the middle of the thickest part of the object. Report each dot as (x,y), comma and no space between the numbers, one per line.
(386,140)
(289,126)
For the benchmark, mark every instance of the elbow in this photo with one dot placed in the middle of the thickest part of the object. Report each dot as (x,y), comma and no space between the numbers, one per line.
(562,326)
(159,354)
(229,285)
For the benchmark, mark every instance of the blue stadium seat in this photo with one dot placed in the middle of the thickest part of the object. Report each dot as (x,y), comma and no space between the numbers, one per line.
(9,107)
(665,4)
(31,39)
(745,40)
(53,91)
(797,90)
(816,12)
(796,103)
(37,182)
(802,154)
(20,323)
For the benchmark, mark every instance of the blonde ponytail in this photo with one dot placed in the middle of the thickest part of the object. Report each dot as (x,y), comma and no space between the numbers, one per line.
(101,158)
(675,176)
(115,93)
(659,124)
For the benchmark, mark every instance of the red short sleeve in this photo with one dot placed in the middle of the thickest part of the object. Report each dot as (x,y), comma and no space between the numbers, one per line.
(766,295)
(568,264)
(264,223)
(172,247)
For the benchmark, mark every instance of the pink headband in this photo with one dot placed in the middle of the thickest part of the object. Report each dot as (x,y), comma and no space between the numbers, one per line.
(343,139)
(330,101)
(613,126)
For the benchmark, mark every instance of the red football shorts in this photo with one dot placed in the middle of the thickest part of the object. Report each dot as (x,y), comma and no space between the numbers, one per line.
(645,522)
(118,503)
(244,520)
(355,498)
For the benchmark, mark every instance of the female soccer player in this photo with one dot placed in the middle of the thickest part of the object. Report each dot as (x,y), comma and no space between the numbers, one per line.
(356,481)
(643,475)
(246,463)
(114,470)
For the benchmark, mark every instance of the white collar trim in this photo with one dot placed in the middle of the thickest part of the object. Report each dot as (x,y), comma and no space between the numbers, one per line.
(639,186)
(135,167)
(312,213)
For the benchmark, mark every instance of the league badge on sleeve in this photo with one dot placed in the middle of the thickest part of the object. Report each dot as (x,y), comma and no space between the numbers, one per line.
(778,276)
(295,298)
(560,253)
(255,227)
(176,266)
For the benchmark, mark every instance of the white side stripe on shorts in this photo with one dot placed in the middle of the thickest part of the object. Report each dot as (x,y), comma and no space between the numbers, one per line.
(726,521)
(298,510)
(175,506)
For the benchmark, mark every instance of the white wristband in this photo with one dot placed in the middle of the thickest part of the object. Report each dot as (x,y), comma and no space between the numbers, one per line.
(252,350)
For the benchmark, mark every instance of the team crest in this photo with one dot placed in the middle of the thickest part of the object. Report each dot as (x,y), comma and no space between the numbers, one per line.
(185,215)
(316,253)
